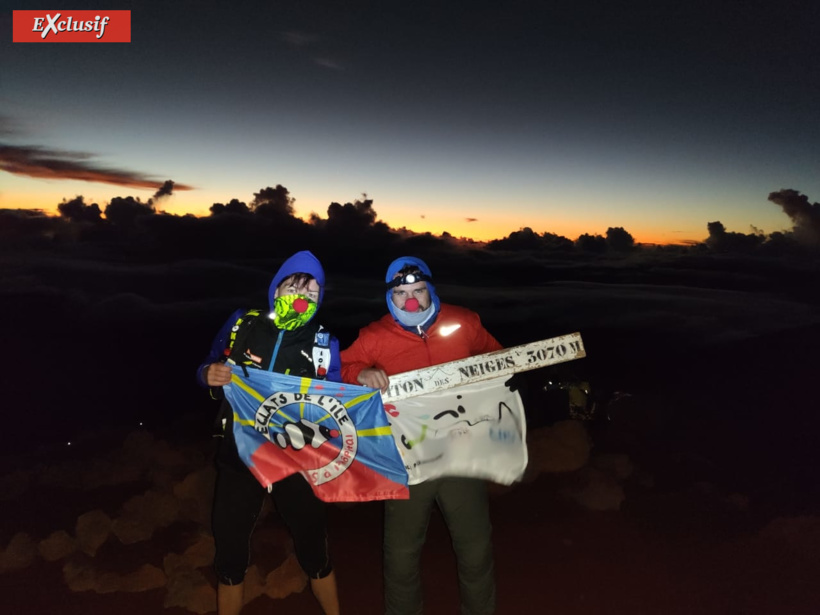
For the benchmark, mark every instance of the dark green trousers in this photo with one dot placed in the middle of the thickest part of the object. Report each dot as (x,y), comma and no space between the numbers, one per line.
(465,507)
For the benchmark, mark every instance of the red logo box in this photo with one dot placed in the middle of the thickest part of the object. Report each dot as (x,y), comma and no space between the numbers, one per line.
(72,27)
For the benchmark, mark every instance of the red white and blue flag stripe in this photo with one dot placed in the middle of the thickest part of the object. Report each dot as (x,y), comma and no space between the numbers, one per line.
(336,435)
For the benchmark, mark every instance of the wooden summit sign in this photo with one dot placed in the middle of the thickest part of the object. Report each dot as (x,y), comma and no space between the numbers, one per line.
(485,366)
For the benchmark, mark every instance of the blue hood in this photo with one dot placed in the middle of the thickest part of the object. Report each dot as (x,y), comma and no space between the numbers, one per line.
(301,262)
(395,267)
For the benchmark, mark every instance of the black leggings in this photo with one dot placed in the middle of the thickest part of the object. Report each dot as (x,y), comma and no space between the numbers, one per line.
(238,500)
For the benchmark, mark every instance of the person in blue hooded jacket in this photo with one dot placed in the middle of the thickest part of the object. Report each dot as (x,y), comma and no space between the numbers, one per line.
(287,340)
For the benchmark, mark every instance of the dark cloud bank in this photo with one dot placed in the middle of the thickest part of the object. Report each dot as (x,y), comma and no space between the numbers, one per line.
(107,310)
(42,163)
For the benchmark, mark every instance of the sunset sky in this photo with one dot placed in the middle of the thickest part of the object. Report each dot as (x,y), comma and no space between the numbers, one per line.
(567,117)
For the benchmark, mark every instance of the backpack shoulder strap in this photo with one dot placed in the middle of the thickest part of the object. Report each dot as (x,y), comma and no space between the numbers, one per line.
(239,331)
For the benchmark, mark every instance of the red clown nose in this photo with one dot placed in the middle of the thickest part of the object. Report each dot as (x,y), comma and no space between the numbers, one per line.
(300,305)
(411,305)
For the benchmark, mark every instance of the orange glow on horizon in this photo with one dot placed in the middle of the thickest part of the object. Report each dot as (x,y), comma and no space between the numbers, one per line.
(499,227)
(479,231)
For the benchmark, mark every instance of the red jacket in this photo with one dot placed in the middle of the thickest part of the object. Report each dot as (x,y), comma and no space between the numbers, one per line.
(457,333)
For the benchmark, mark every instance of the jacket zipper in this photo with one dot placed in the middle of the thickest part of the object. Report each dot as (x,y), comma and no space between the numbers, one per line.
(424,337)
(276,349)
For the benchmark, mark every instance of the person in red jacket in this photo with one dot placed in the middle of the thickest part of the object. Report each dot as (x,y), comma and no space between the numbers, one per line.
(419,332)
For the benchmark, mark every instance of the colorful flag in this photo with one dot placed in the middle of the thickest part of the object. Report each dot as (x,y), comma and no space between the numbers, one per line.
(336,435)
(476,430)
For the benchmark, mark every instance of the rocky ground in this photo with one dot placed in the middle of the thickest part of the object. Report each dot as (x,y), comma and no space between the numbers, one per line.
(125,530)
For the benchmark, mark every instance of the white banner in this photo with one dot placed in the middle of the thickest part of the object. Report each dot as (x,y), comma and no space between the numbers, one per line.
(476,430)
(485,366)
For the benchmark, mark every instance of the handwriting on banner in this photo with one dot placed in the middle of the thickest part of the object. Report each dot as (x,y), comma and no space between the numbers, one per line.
(475,430)
(464,420)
